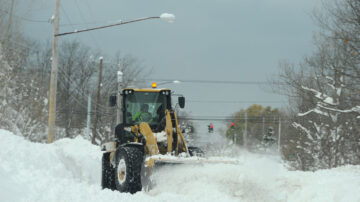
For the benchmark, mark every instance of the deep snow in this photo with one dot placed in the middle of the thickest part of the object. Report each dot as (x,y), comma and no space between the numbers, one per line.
(69,170)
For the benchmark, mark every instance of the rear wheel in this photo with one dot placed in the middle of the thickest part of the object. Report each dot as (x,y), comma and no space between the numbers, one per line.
(128,169)
(107,173)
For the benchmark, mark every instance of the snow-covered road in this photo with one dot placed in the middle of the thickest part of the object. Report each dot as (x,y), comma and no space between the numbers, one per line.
(69,170)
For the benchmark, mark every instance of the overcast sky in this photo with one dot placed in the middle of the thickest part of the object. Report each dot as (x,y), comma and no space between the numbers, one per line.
(225,40)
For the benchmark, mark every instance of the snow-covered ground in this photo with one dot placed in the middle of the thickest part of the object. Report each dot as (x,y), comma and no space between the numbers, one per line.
(69,170)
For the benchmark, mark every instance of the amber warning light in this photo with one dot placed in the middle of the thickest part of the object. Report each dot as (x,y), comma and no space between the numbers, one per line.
(154,85)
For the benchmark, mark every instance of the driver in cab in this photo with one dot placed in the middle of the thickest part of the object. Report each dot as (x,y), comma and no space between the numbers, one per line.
(143,115)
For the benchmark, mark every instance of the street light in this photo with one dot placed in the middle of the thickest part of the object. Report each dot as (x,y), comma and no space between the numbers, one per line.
(168,17)
(165,16)
(54,59)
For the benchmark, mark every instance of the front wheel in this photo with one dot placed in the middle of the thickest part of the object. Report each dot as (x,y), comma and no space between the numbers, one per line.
(128,169)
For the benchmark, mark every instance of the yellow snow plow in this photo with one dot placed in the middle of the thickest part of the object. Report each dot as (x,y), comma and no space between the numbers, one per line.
(148,134)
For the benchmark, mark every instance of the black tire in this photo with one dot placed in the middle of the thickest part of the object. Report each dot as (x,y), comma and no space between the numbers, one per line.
(107,173)
(128,165)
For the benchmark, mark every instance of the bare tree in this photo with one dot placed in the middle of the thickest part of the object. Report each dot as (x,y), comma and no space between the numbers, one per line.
(77,68)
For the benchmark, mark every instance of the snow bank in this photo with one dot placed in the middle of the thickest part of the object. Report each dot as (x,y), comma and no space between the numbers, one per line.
(259,178)
(69,170)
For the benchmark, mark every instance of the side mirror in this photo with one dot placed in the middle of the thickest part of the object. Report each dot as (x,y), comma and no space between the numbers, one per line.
(181,101)
(112,100)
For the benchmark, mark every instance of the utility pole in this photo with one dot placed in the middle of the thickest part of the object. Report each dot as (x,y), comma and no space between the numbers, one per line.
(10,20)
(118,95)
(235,138)
(53,77)
(279,138)
(263,125)
(97,102)
(88,117)
(245,131)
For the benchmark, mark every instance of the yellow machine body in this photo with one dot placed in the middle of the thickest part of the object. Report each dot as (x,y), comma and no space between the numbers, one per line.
(153,148)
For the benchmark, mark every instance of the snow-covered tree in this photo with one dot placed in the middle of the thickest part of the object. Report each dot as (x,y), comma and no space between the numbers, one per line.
(325,93)
(7,83)
(21,104)
(327,122)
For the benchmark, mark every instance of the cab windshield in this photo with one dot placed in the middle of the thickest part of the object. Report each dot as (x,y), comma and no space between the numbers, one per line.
(146,107)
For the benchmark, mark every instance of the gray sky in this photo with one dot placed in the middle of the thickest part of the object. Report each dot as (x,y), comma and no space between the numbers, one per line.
(235,40)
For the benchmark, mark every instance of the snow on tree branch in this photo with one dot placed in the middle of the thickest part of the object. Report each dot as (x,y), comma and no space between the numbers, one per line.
(315,110)
(354,109)
(307,131)
(322,96)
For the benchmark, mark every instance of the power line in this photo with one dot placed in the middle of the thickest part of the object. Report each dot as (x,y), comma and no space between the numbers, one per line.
(81,103)
(81,93)
(25,19)
(191,101)
(195,101)
(101,107)
(90,34)
(219,81)
(80,23)
(49,21)
(67,17)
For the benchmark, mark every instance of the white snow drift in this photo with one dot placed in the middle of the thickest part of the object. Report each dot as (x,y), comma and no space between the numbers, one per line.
(69,170)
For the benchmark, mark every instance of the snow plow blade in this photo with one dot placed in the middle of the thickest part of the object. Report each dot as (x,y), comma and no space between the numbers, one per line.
(160,160)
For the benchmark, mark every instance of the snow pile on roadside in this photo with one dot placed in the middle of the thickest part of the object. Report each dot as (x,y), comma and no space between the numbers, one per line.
(259,178)
(41,172)
(69,170)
